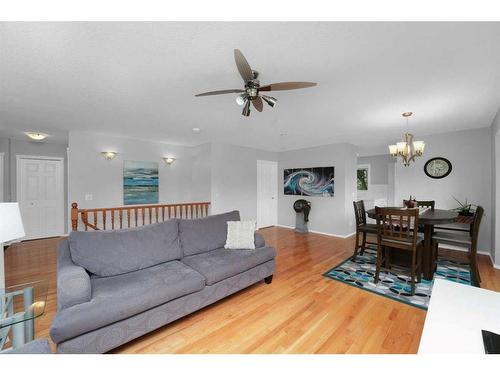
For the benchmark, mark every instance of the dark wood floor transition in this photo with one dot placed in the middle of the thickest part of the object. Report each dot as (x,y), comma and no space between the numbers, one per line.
(300,312)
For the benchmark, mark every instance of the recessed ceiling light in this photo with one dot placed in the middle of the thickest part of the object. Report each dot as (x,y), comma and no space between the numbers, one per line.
(196,130)
(36,136)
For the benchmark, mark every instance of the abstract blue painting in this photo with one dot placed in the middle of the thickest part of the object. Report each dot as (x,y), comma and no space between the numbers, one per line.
(140,182)
(312,182)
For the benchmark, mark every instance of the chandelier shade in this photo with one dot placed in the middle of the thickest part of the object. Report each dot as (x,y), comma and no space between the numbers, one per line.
(407,149)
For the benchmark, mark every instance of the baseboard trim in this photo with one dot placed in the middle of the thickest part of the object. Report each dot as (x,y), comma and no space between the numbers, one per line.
(318,232)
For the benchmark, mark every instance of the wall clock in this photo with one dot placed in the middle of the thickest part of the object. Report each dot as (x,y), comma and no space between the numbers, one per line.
(437,168)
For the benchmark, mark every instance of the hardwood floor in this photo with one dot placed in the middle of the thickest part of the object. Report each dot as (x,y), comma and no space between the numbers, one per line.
(300,312)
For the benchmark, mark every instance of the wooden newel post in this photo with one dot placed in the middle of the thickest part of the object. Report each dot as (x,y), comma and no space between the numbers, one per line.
(74,216)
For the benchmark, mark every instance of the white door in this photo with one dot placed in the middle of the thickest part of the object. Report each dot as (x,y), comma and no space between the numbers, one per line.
(40,193)
(267,193)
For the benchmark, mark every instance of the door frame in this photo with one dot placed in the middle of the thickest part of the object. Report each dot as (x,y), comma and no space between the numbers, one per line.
(61,171)
(273,163)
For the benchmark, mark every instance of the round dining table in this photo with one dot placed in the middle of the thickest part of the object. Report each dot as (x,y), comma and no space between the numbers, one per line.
(428,218)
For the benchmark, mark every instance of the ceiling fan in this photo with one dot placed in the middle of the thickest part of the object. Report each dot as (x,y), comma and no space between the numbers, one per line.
(252,91)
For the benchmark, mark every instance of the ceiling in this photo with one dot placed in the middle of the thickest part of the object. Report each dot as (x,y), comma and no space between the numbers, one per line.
(139,80)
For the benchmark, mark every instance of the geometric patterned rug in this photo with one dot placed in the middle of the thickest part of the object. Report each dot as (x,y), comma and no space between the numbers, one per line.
(360,274)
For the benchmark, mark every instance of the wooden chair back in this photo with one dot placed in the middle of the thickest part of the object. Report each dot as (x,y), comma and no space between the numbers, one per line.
(478,215)
(426,204)
(395,227)
(359,212)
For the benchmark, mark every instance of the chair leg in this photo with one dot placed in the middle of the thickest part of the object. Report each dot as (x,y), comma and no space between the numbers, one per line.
(363,244)
(356,246)
(435,251)
(412,276)
(475,270)
(379,264)
(419,264)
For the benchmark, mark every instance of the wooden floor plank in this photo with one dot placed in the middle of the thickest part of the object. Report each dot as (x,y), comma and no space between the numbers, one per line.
(300,312)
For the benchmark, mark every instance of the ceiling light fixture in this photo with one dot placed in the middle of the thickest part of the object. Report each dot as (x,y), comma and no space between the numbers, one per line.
(108,155)
(36,136)
(246,109)
(241,99)
(408,149)
(196,130)
(168,160)
(269,100)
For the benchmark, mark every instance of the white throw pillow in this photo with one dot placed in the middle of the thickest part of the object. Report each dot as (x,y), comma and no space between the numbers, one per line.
(240,235)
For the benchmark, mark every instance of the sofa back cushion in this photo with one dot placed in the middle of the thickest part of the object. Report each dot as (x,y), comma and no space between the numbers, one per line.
(202,235)
(110,253)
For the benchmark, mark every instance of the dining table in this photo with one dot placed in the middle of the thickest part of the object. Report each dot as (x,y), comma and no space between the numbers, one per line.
(428,218)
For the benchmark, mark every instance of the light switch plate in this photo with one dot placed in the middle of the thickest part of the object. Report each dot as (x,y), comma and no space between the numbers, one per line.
(88,197)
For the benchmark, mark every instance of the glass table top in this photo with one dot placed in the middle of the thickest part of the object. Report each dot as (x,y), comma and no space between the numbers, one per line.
(20,303)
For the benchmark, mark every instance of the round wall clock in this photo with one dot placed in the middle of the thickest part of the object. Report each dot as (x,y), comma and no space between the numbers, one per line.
(437,168)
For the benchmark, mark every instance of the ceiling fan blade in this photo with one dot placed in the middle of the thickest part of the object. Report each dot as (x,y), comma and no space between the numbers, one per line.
(287,86)
(243,66)
(257,103)
(232,91)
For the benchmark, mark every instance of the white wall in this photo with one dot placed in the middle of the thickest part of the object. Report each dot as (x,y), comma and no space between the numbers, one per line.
(495,194)
(234,178)
(470,155)
(332,215)
(223,174)
(201,189)
(91,174)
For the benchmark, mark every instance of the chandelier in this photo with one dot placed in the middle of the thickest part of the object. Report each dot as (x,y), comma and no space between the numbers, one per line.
(408,149)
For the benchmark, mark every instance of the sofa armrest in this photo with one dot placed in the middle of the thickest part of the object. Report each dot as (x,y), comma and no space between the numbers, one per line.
(73,282)
(259,240)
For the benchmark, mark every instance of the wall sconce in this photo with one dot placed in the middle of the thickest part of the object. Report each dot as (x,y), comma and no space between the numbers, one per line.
(108,155)
(168,161)
(36,136)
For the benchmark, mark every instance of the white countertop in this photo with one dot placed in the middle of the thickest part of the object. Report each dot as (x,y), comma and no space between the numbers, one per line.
(457,313)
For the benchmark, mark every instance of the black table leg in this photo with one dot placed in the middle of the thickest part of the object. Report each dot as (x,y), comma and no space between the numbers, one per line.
(427,260)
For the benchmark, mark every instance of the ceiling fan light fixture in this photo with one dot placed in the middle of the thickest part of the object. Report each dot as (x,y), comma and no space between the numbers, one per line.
(241,99)
(246,109)
(269,100)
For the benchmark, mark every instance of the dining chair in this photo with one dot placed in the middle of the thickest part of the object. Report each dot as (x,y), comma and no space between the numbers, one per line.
(461,239)
(426,204)
(421,204)
(362,229)
(400,238)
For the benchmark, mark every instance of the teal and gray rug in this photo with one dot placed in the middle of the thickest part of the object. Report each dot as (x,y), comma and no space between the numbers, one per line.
(360,274)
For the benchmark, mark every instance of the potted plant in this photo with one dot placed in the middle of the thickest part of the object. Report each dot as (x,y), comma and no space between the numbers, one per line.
(465,208)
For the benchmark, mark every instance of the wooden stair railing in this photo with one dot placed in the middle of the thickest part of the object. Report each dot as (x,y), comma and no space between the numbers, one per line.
(133,216)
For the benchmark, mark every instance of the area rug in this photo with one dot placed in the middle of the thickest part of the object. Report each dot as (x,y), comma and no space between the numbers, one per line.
(360,273)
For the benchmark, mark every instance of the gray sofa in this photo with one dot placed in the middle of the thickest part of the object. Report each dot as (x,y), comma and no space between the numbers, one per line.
(114,286)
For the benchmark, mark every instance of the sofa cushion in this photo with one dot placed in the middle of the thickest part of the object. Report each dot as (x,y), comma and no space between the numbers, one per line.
(110,253)
(119,297)
(219,264)
(202,235)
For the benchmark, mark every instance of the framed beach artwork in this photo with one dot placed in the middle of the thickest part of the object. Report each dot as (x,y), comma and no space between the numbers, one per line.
(140,182)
